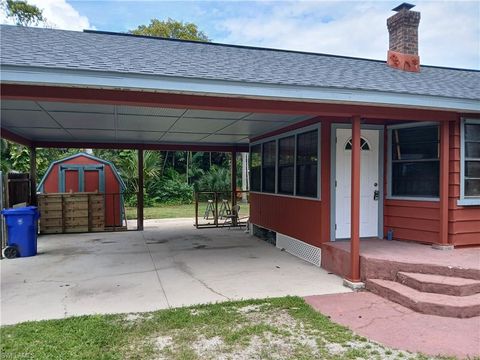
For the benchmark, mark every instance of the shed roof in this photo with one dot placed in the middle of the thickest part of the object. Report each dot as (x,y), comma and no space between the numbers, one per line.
(82,154)
(123,53)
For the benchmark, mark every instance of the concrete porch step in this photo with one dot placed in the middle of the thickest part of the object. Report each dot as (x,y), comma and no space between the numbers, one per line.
(372,268)
(424,302)
(440,284)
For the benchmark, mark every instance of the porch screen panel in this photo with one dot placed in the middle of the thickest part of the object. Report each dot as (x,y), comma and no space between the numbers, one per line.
(269,156)
(307,164)
(286,163)
(255,167)
(415,162)
(472,159)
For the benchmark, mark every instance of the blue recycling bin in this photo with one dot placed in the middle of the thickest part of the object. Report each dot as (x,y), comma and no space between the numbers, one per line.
(22,229)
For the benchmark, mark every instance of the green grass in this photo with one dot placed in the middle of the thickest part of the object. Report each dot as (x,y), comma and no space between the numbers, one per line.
(175,211)
(163,212)
(269,329)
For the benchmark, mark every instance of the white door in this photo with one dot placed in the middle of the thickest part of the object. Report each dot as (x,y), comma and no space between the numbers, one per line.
(369,181)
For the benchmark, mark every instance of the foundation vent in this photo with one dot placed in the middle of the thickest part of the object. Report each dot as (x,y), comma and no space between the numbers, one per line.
(299,249)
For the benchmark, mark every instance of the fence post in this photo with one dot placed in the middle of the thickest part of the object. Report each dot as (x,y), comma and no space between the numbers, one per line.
(33,175)
(234,185)
(215,197)
(196,210)
(140,191)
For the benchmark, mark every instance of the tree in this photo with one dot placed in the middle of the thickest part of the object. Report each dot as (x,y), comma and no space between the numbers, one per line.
(171,29)
(128,166)
(22,12)
(16,157)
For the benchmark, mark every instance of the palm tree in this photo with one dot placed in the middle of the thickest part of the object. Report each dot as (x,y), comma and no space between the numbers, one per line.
(128,166)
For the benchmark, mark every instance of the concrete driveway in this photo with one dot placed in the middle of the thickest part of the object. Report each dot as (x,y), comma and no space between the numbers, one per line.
(170,264)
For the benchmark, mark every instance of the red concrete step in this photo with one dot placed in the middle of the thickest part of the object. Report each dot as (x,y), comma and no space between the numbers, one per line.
(387,269)
(447,285)
(426,303)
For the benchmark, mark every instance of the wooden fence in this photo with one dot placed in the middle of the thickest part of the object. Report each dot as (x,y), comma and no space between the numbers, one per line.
(71,212)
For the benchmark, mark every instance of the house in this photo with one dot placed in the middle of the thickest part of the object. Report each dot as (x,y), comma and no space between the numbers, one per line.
(341,147)
(84,172)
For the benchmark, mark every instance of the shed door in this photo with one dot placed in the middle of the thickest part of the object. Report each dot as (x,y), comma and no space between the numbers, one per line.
(71,180)
(91,181)
(81,178)
(369,179)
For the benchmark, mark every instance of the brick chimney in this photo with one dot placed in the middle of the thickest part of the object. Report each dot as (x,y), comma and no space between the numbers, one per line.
(403,31)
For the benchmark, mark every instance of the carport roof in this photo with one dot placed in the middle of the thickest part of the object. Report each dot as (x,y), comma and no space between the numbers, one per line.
(124,53)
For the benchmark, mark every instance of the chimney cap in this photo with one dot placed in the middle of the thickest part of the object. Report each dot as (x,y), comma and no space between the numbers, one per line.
(402,6)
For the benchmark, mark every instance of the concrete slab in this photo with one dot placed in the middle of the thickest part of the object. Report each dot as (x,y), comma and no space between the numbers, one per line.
(169,264)
(399,327)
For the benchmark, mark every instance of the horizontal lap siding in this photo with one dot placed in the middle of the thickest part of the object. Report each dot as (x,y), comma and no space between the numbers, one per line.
(413,220)
(464,221)
(298,218)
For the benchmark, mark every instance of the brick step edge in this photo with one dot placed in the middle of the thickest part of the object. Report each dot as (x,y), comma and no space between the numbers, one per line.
(439,284)
(388,269)
(426,303)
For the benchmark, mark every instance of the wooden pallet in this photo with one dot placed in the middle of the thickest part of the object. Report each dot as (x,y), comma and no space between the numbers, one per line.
(71,212)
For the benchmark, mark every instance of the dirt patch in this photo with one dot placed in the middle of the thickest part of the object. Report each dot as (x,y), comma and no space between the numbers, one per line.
(249,308)
(204,347)
(161,342)
(265,332)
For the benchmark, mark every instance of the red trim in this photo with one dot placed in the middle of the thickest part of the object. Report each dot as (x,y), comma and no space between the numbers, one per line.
(8,135)
(325,170)
(444,180)
(142,98)
(160,147)
(355,202)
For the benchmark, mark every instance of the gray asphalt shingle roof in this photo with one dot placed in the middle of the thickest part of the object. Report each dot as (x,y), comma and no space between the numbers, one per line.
(49,48)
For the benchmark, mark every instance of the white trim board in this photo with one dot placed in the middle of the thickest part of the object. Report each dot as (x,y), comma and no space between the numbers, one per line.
(465,201)
(126,81)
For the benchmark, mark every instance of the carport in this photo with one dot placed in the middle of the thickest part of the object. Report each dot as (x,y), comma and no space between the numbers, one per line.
(88,121)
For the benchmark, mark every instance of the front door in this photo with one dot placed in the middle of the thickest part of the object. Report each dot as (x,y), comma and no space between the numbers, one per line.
(369,183)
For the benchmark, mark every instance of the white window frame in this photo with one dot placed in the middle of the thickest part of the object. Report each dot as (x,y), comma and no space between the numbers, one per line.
(295,133)
(389,162)
(469,200)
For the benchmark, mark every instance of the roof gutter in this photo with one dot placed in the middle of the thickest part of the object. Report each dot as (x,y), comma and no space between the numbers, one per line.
(125,81)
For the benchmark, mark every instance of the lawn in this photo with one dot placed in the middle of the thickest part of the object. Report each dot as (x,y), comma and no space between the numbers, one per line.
(176,211)
(280,328)
(163,212)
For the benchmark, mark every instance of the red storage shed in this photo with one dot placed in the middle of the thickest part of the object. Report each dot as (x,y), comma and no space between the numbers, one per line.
(86,173)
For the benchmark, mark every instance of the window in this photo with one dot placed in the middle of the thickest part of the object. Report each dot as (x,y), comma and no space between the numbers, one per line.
(286,164)
(255,167)
(307,163)
(363,144)
(471,159)
(415,165)
(268,166)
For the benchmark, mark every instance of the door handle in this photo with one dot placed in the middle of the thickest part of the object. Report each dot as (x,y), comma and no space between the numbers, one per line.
(376,195)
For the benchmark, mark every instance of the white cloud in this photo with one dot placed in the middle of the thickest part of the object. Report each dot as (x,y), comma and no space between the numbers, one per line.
(59,14)
(449,31)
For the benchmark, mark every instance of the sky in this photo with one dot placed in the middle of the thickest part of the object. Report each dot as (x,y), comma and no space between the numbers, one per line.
(449,33)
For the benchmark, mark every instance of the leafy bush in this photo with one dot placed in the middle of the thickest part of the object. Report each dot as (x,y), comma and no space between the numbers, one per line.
(215,179)
(172,189)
